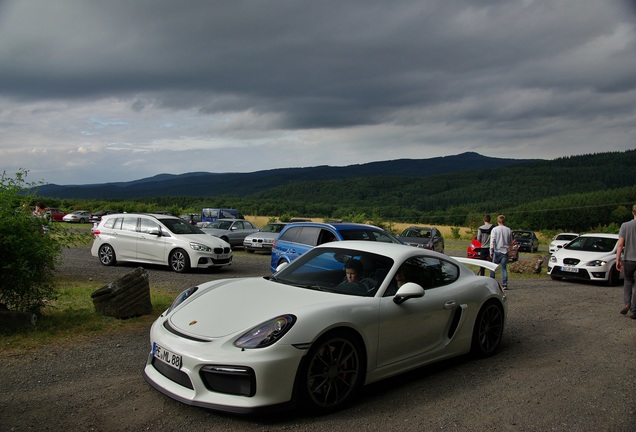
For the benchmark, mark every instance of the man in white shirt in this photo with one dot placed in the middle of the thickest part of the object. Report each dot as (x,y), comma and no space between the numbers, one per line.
(500,239)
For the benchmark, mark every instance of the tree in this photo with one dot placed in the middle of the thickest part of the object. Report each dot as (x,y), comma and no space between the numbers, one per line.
(29,248)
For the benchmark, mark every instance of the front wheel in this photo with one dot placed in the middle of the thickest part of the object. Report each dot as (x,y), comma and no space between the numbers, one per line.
(331,373)
(106,255)
(179,261)
(488,330)
(613,276)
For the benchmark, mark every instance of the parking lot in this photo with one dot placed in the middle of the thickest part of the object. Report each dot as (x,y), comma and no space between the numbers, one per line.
(567,363)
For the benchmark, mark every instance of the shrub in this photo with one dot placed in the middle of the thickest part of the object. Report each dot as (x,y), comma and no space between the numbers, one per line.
(29,248)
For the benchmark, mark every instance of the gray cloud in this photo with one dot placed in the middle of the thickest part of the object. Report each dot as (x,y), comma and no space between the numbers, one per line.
(143,87)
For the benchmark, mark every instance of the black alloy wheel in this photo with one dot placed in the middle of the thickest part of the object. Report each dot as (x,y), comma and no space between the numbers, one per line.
(488,330)
(331,373)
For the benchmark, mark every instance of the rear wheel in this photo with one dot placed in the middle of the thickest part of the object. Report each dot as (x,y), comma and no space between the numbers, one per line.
(488,330)
(331,373)
(106,255)
(179,261)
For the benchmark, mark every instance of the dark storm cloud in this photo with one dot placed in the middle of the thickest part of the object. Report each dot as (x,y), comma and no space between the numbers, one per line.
(126,78)
(320,64)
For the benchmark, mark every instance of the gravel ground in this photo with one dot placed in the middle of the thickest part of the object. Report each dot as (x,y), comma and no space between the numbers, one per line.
(567,363)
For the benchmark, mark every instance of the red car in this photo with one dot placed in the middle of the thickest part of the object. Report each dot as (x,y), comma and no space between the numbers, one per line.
(54,214)
(476,251)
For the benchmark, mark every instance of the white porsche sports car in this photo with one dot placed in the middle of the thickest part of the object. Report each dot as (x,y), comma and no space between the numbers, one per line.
(340,316)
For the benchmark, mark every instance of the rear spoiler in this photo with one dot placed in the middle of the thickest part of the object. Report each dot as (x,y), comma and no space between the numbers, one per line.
(477,262)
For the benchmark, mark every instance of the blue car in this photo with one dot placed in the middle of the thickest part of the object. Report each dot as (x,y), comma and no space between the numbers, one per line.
(297,238)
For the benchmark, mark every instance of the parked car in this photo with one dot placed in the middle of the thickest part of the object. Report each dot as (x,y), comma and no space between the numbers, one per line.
(79,216)
(157,239)
(561,240)
(299,237)
(264,238)
(232,231)
(477,251)
(306,339)
(527,240)
(54,214)
(191,218)
(212,214)
(97,216)
(589,257)
(424,237)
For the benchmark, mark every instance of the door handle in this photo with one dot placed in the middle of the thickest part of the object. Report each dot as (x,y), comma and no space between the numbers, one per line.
(451,304)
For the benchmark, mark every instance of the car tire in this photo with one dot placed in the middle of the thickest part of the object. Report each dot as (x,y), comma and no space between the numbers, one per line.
(81,221)
(106,255)
(331,373)
(488,330)
(556,278)
(179,261)
(613,277)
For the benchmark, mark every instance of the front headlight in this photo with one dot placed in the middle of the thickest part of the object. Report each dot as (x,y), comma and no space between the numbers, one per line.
(267,333)
(553,258)
(596,263)
(200,247)
(181,298)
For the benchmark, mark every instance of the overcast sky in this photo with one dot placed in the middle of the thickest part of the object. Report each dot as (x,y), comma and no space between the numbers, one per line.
(119,90)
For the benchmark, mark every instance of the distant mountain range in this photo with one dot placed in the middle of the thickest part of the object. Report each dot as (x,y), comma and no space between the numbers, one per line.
(202,184)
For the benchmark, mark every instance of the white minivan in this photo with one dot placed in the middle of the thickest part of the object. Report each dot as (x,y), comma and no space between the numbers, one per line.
(157,239)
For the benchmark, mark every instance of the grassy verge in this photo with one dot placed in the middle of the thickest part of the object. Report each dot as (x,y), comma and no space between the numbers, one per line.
(72,316)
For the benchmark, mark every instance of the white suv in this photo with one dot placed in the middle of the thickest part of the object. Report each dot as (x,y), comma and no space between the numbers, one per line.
(157,239)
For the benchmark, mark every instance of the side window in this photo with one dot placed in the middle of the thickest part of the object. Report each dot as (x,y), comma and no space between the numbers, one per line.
(129,224)
(290,234)
(308,236)
(226,215)
(113,223)
(146,225)
(428,272)
(326,236)
(238,225)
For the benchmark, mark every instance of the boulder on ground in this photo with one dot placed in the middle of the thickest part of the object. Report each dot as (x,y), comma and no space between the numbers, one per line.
(126,297)
(11,322)
(531,265)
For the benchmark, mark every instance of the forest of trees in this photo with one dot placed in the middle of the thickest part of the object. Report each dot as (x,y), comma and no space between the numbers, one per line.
(578,193)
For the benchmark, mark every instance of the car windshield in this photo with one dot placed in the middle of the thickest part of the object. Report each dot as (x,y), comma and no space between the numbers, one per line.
(179,226)
(224,225)
(369,235)
(273,228)
(423,233)
(566,237)
(323,269)
(592,244)
(522,234)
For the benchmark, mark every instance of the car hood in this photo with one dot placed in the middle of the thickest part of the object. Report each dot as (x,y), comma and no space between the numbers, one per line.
(226,307)
(263,235)
(415,240)
(584,256)
(204,239)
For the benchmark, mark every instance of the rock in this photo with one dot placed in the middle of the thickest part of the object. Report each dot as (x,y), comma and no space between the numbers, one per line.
(126,297)
(11,322)
(528,266)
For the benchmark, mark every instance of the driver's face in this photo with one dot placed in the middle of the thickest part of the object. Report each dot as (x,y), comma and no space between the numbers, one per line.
(352,275)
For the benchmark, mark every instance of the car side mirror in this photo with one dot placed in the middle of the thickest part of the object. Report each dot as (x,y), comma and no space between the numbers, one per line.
(407,291)
(154,231)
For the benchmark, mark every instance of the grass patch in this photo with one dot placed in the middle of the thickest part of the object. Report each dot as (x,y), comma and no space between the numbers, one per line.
(72,316)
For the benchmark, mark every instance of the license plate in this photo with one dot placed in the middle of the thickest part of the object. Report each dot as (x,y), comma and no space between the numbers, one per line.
(166,356)
(569,269)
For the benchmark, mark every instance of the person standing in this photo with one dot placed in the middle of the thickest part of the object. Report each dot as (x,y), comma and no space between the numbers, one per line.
(500,239)
(627,263)
(483,237)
